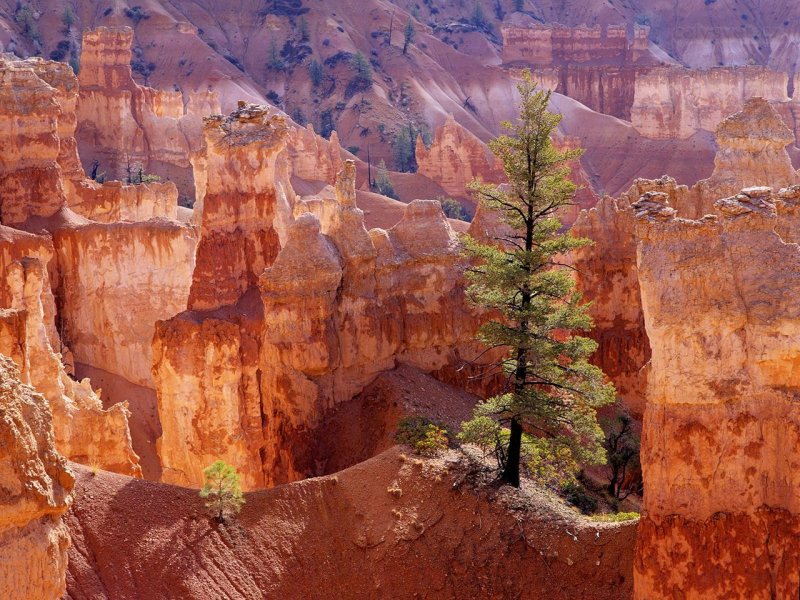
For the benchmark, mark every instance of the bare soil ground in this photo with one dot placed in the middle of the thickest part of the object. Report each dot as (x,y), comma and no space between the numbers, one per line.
(394,526)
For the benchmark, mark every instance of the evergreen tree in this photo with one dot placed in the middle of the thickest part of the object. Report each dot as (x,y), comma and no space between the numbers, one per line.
(383,184)
(362,68)
(315,72)
(552,391)
(408,35)
(404,147)
(222,491)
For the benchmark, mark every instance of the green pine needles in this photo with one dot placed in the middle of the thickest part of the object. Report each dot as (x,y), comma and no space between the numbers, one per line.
(222,491)
(519,278)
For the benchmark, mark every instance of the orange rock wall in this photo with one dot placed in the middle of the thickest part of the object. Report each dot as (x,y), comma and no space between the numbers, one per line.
(721,429)
(117,280)
(37,490)
(675,103)
(122,125)
(242,204)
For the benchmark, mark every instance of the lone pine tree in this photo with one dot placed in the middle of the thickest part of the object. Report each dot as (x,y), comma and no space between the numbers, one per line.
(222,491)
(519,278)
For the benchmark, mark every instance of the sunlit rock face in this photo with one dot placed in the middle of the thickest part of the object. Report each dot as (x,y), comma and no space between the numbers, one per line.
(122,126)
(751,148)
(722,428)
(338,305)
(30,176)
(36,488)
(595,65)
(117,280)
(455,158)
(242,206)
(675,102)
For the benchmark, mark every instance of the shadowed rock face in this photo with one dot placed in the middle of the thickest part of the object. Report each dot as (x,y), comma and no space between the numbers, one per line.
(722,427)
(36,488)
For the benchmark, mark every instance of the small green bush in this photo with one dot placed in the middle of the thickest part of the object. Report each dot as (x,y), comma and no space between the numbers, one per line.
(615,517)
(424,436)
(575,494)
(454,210)
(136,14)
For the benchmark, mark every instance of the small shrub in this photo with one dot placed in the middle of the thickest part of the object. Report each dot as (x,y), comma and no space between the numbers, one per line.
(424,436)
(454,210)
(136,14)
(576,494)
(383,184)
(615,517)
(274,97)
(362,81)
(60,51)
(315,72)
(326,124)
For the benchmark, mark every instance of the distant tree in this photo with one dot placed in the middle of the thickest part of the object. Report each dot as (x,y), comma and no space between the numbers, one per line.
(303,27)
(362,79)
(478,17)
(408,35)
(404,147)
(383,184)
(622,447)
(552,391)
(519,5)
(326,124)
(362,68)
(316,72)
(68,19)
(453,209)
(275,61)
(136,14)
(222,491)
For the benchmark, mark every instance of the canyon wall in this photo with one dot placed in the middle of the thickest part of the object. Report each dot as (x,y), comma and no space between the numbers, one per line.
(675,103)
(597,66)
(39,97)
(117,280)
(751,150)
(37,488)
(455,158)
(124,126)
(249,381)
(722,428)
(30,178)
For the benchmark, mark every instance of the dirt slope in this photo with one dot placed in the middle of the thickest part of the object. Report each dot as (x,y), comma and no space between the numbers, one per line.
(391,527)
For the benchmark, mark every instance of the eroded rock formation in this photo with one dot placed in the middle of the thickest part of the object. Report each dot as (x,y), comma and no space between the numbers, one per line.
(595,65)
(455,158)
(124,126)
(337,306)
(146,270)
(30,178)
(243,203)
(675,102)
(721,426)
(37,490)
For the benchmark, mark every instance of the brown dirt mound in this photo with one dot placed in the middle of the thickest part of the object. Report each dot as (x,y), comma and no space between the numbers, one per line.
(391,527)
(365,426)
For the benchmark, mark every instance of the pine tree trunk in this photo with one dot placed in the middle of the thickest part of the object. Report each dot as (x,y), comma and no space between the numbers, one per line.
(511,471)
